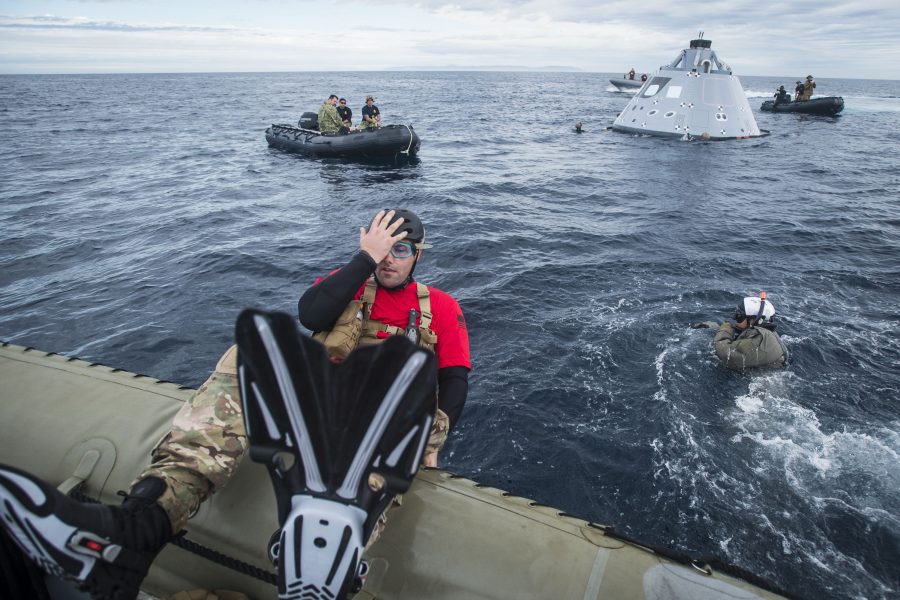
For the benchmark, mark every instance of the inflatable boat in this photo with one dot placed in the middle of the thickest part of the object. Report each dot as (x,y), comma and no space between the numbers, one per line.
(89,429)
(829,105)
(391,143)
(627,85)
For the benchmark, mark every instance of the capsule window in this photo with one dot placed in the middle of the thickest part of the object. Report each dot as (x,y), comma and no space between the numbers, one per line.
(669,114)
(652,112)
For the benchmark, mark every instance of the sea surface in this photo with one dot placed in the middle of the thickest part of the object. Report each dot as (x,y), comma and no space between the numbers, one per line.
(141,213)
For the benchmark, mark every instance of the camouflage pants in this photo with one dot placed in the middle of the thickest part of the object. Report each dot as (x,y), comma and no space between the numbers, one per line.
(207,442)
(439,430)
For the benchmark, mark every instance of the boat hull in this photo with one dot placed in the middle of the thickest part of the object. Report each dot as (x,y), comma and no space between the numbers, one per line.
(66,420)
(391,142)
(829,105)
(627,85)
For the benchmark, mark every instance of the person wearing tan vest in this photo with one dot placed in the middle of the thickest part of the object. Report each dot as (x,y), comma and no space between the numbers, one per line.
(107,550)
(374,296)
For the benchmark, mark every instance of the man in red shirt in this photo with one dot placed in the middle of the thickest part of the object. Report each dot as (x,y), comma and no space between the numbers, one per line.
(116,544)
(375,296)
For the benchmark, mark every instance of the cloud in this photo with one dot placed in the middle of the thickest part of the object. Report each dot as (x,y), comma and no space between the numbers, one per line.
(46,22)
(831,38)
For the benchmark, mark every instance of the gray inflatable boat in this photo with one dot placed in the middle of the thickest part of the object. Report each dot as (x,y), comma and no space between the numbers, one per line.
(89,429)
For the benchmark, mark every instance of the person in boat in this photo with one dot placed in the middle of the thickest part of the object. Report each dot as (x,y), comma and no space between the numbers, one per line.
(208,440)
(578,127)
(781,96)
(798,91)
(752,341)
(329,119)
(371,116)
(631,73)
(344,112)
(808,87)
(380,276)
(644,77)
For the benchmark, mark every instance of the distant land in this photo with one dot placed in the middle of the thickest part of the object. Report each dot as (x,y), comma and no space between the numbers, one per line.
(553,68)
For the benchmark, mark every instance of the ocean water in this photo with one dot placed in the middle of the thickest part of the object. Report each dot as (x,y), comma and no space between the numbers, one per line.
(141,213)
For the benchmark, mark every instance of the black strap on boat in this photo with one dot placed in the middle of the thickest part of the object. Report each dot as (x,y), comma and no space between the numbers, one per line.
(208,553)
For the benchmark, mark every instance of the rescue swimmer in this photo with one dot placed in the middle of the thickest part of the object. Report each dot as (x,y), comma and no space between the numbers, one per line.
(374,296)
(752,341)
(371,298)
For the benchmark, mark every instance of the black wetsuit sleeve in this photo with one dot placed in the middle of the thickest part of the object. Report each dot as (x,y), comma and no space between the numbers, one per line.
(453,387)
(321,305)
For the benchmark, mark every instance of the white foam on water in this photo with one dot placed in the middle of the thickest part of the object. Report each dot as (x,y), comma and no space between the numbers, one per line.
(795,440)
(758,94)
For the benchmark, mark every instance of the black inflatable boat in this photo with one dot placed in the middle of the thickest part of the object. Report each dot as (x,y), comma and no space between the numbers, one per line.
(829,105)
(391,143)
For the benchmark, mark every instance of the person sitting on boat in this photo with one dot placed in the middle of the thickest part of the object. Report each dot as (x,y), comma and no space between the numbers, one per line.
(631,73)
(371,116)
(808,87)
(781,96)
(329,119)
(643,77)
(752,340)
(798,91)
(344,112)
(208,439)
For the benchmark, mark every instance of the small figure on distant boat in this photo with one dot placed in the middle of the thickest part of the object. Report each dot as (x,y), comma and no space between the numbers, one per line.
(781,95)
(798,91)
(751,341)
(808,87)
(578,127)
(644,77)
(344,112)
(631,73)
(329,119)
(371,116)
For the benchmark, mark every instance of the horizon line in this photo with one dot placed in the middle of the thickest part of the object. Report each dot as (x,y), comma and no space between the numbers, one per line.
(495,69)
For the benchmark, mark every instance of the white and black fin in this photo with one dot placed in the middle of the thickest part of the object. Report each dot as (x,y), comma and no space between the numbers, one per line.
(71,540)
(339,440)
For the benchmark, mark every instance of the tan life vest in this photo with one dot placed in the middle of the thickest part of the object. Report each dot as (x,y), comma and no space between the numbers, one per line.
(354,326)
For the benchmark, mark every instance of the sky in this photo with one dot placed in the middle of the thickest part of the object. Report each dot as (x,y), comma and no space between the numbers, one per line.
(826,38)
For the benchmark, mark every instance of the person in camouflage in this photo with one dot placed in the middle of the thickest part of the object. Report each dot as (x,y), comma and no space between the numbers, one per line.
(329,119)
(809,86)
(208,440)
(752,341)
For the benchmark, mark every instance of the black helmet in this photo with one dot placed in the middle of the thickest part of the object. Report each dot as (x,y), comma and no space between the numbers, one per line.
(412,225)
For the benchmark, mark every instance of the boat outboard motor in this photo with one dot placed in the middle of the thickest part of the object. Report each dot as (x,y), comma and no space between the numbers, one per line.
(308,120)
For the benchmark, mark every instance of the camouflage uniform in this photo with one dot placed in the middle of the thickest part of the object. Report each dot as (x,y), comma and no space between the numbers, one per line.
(808,88)
(753,347)
(329,119)
(207,442)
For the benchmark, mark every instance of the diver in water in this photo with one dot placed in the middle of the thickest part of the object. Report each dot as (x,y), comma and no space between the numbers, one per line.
(752,340)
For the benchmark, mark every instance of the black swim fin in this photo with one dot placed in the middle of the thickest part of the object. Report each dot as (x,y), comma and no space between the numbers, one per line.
(339,440)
